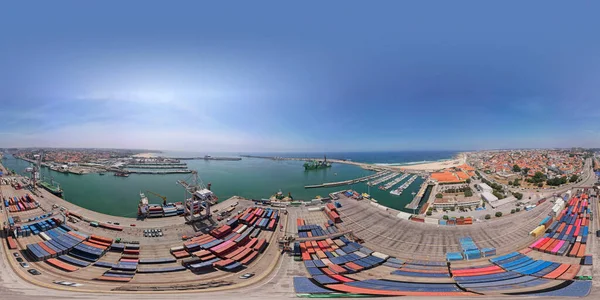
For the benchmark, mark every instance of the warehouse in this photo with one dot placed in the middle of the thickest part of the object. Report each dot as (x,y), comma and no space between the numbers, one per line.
(484,187)
(488,196)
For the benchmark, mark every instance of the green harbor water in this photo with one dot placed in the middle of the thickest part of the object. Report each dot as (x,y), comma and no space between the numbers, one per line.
(251,178)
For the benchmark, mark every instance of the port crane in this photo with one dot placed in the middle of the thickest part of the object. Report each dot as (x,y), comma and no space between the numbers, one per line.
(164,199)
(198,198)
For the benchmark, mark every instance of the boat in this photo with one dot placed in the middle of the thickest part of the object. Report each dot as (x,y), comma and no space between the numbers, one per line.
(366,196)
(51,187)
(317,164)
(121,174)
(101,173)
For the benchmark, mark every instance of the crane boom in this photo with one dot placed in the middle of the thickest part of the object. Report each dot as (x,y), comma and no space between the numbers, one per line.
(159,196)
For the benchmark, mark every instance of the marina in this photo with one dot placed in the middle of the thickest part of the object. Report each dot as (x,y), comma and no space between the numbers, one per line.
(390,184)
(345,182)
(399,190)
(383,179)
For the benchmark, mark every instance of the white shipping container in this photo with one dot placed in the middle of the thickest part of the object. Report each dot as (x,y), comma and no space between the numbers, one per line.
(45,236)
(242,229)
(175,249)
(315,208)
(403,215)
(431,221)
(380,255)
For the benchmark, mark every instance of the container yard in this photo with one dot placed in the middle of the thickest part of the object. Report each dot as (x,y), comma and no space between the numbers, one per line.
(342,244)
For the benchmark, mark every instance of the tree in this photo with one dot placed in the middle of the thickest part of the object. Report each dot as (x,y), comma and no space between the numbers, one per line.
(439,195)
(510,182)
(499,214)
(468,193)
(518,209)
(525,171)
(512,211)
(487,217)
(516,169)
(573,178)
(540,184)
(518,195)
(445,217)
(429,213)
(452,208)
(468,180)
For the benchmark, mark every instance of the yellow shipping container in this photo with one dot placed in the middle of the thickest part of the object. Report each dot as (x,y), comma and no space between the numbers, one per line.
(538,231)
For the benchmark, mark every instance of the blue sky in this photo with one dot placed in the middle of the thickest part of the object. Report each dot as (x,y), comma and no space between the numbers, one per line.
(315,76)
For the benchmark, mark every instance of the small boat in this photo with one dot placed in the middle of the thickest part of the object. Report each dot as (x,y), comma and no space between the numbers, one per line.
(101,173)
(121,174)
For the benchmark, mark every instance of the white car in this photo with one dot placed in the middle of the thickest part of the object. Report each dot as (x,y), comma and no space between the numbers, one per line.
(66,283)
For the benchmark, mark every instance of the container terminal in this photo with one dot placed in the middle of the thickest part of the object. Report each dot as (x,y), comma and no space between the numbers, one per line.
(339,246)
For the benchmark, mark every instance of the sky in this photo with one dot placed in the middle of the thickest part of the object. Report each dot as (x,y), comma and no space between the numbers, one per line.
(311,76)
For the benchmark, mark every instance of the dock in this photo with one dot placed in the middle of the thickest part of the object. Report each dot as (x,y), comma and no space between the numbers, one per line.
(414,204)
(210,158)
(383,179)
(392,183)
(157,166)
(345,182)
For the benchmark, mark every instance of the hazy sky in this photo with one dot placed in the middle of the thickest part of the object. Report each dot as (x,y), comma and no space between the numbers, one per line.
(312,76)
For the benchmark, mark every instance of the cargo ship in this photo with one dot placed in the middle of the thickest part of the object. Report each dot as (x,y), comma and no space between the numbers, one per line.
(121,174)
(317,164)
(52,188)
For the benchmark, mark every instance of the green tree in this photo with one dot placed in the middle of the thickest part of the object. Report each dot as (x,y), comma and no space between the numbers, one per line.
(439,195)
(540,184)
(518,195)
(518,209)
(573,178)
(499,214)
(468,193)
(516,169)
(512,211)
(429,213)
(452,208)
(487,217)
(468,180)
(445,217)
(525,171)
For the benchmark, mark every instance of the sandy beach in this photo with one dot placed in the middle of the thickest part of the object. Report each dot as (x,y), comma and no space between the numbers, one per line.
(145,155)
(435,166)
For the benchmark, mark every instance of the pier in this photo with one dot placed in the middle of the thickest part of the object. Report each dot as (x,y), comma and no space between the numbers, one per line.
(156,166)
(383,179)
(414,204)
(208,157)
(390,184)
(345,182)
(160,172)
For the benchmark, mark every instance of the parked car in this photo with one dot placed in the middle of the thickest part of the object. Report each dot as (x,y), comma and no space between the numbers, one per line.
(24,265)
(34,272)
(20,259)
(16,254)
(67,283)
(247,275)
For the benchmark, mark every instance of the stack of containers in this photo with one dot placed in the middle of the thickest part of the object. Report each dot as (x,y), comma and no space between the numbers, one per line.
(170,210)
(332,213)
(568,235)
(486,252)
(155,211)
(180,208)
(470,250)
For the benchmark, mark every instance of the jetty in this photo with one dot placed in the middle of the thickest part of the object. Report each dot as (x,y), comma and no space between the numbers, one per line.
(208,157)
(157,166)
(390,184)
(135,165)
(414,204)
(383,179)
(159,172)
(345,182)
